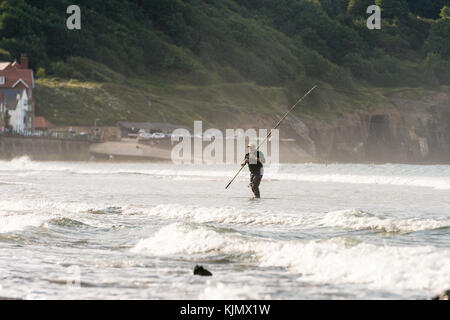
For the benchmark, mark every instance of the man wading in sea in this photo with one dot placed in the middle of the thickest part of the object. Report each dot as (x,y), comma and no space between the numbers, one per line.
(255,160)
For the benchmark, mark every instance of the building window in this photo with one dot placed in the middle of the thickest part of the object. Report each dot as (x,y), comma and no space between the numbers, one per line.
(2,80)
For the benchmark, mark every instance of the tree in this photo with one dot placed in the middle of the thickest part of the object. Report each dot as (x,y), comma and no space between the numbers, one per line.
(439,67)
(393,8)
(426,8)
(334,7)
(4,55)
(438,40)
(445,12)
(358,8)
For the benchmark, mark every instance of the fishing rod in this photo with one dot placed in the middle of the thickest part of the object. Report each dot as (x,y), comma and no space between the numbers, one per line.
(270,133)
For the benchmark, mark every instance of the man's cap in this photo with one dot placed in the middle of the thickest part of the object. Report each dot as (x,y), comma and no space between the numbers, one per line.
(251,145)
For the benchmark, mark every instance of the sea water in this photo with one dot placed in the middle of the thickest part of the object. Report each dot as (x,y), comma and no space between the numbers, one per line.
(109,230)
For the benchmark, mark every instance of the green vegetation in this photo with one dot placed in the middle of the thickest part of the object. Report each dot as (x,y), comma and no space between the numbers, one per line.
(427,8)
(438,40)
(393,8)
(218,60)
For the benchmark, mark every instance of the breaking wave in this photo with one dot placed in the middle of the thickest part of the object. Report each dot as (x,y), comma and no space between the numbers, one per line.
(18,215)
(224,215)
(181,239)
(65,222)
(17,222)
(442,183)
(352,219)
(360,220)
(336,260)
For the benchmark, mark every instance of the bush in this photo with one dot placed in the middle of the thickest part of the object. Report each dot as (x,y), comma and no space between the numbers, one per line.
(393,8)
(82,68)
(426,8)
(445,12)
(61,70)
(4,55)
(230,74)
(359,67)
(439,67)
(312,39)
(358,8)
(339,77)
(334,7)
(439,38)
(40,73)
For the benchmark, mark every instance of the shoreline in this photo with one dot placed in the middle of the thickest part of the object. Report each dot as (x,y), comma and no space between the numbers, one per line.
(131,159)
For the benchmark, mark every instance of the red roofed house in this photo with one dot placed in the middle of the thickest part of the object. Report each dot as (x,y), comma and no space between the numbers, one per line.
(16,95)
(40,123)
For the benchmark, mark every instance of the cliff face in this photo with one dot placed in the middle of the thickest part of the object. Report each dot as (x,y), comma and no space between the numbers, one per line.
(407,130)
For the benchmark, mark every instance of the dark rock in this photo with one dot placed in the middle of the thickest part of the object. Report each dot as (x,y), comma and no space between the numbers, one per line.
(443,296)
(200,271)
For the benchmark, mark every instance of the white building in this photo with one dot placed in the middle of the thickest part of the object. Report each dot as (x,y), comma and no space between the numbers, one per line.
(19,119)
(2,112)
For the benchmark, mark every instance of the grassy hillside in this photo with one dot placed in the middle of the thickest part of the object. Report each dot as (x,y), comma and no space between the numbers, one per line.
(218,105)
(224,60)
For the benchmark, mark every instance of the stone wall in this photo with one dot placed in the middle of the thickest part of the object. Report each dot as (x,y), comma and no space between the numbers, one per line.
(43,149)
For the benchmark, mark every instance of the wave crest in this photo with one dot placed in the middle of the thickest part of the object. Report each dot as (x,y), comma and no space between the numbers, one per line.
(360,220)
(224,215)
(336,260)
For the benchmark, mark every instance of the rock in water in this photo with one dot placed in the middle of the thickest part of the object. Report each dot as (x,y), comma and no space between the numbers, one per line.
(200,271)
(443,296)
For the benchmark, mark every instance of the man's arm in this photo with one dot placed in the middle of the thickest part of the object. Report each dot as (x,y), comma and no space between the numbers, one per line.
(245,160)
(261,157)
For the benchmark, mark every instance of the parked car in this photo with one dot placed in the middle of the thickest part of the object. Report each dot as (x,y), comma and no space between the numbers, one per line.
(82,136)
(144,135)
(158,135)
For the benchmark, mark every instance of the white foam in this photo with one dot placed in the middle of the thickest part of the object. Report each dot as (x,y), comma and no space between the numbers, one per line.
(224,215)
(45,206)
(340,261)
(349,219)
(18,163)
(180,239)
(24,166)
(16,215)
(17,222)
(221,291)
(15,183)
(378,267)
(359,220)
(437,177)
(442,183)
